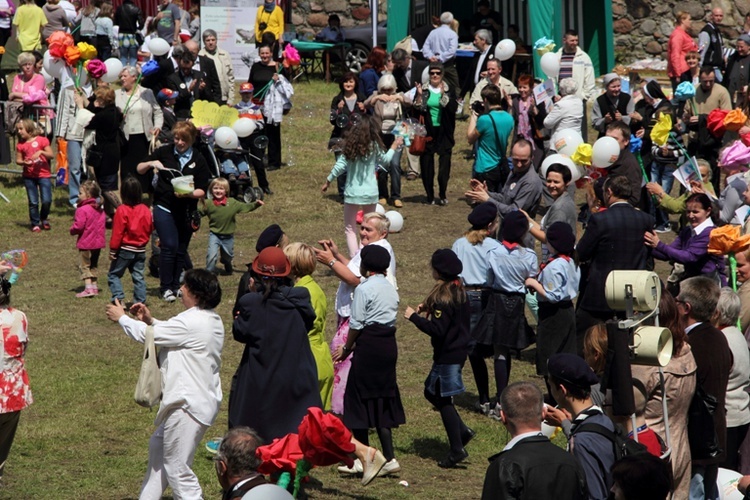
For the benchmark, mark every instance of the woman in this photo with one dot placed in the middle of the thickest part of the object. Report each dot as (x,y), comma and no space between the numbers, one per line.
(567,111)
(387,109)
(373,230)
(692,75)
(142,120)
(563,208)
(86,19)
(57,20)
(106,40)
(679,384)
(28,86)
(436,105)
(347,103)
(267,82)
(302,259)
(277,380)
(129,19)
(173,212)
(529,117)
(737,398)
(104,156)
(7,10)
(612,105)
(372,70)
(189,350)
(680,43)
(29,21)
(14,380)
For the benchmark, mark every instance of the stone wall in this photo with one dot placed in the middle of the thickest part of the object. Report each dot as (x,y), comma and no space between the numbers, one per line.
(642,27)
(310,16)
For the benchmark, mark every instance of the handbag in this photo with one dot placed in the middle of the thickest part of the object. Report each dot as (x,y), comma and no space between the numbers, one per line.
(419,142)
(61,162)
(94,158)
(148,387)
(704,443)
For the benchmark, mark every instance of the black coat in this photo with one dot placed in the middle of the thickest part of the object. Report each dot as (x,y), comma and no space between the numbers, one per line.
(442,135)
(468,81)
(404,84)
(106,122)
(338,132)
(158,80)
(211,77)
(185,98)
(277,380)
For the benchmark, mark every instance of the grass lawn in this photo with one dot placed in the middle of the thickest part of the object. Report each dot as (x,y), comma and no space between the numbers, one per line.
(85,438)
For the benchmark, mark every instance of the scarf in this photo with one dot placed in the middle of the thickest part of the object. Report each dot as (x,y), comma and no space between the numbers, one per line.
(220,203)
(524,124)
(567,259)
(269,6)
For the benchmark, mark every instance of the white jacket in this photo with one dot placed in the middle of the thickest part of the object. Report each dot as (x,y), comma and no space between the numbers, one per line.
(565,113)
(583,74)
(277,99)
(224,68)
(144,113)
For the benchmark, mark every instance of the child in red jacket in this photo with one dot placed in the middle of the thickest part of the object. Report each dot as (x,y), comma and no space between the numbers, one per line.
(131,230)
(88,224)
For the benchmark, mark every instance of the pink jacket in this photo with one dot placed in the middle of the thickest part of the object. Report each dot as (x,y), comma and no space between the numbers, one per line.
(680,43)
(88,224)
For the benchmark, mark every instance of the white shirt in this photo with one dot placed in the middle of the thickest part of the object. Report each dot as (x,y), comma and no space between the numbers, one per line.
(190,357)
(345,292)
(482,57)
(518,438)
(697,230)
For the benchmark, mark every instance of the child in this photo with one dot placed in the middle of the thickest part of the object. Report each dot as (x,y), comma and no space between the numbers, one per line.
(34,153)
(447,324)
(88,224)
(255,142)
(556,287)
(246,106)
(222,212)
(131,231)
(372,397)
(166,99)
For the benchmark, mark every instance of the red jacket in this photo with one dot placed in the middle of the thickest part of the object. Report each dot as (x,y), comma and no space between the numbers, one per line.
(131,228)
(88,224)
(680,43)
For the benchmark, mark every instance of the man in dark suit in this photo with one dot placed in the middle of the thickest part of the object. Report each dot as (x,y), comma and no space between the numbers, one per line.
(697,302)
(530,466)
(207,67)
(613,241)
(478,70)
(237,463)
(189,84)
(407,71)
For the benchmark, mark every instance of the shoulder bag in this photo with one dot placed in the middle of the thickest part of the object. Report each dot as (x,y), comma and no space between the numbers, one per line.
(419,142)
(148,388)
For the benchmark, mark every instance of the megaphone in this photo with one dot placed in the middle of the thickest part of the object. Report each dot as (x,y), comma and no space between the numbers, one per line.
(633,291)
(652,346)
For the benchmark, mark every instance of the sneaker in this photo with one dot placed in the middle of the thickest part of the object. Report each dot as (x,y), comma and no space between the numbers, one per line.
(411,176)
(169,296)
(212,446)
(243,176)
(232,178)
(428,202)
(354,469)
(441,202)
(390,467)
(483,408)
(87,292)
(178,293)
(36,229)
(46,226)
(666,228)
(494,413)
(383,201)
(398,204)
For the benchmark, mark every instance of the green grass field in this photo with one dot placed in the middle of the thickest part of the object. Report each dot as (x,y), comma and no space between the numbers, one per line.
(85,438)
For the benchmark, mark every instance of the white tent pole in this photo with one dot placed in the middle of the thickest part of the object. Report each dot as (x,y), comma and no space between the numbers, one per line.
(374,12)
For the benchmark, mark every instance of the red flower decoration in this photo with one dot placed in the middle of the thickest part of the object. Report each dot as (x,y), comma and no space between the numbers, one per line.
(324,439)
(280,456)
(96,68)
(57,49)
(66,39)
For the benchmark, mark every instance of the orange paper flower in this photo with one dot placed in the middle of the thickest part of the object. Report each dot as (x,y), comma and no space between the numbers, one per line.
(57,50)
(66,39)
(2,50)
(735,120)
(727,239)
(72,55)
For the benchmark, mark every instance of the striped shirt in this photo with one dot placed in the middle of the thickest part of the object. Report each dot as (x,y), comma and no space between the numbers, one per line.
(566,65)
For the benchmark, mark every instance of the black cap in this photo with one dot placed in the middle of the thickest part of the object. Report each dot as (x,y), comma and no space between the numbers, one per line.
(561,237)
(482,215)
(515,227)
(269,237)
(447,263)
(375,258)
(572,369)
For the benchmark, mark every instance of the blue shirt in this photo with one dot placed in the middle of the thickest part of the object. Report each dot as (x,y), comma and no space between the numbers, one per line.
(442,43)
(375,302)
(183,158)
(489,151)
(510,268)
(560,279)
(475,259)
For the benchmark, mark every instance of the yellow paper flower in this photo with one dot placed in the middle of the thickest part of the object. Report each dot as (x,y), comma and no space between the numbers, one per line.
(660,132)
(2,50)
(87,51)
(727,239)
(582,154)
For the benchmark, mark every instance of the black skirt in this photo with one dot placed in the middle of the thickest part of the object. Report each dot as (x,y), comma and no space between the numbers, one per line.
(556,332)
(134,153)
(503,323)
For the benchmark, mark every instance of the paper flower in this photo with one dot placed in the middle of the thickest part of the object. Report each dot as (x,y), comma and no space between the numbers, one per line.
(291,56)
(149,68)
(61,37)
(715,122)
(72,55)
(636,143)
(87,51)
(324,439)
(57,49)
(33,96)
(684,91)
(2,50)
(735,120)
(660,132)
(280,456)
(544,45)
(582,154)
(727,239)
(736,154)
(95,68)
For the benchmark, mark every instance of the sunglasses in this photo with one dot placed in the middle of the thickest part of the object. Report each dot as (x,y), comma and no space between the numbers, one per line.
(436,72)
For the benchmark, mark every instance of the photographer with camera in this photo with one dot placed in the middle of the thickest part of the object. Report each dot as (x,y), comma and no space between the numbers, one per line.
(333,32)
(489,128)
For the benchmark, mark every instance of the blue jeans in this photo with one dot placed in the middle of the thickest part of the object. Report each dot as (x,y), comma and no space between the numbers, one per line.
(703,483)
(135,262)
(219,244)
(74,171)
(392,170)
(33,189)
(174,238)
(229,167)
(662,174)
(129,55)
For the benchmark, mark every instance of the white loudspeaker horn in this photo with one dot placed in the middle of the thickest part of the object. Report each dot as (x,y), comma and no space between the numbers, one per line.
(643,287)
(652,346)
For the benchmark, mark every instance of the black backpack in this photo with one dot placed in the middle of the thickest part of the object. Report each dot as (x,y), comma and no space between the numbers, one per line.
(623,445)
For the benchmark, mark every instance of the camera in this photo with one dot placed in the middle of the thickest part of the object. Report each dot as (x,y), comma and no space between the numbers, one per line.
(478,107)
(262,26)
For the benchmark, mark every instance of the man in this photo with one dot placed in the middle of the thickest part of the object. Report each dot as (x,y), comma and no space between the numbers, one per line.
(530,466)
(613,105)
(441,46)
(493,78)
(490,133)
(189,85)
(237,464)
(570,380)
(697,302)
(332,33)
(613,241)
(627,164)
(711,43)
(576,64)
(488,19)
(168,65)
(737,75)
(419,35)
(486,52)
(168,25)
(223,63)
(207,68)
(408,72)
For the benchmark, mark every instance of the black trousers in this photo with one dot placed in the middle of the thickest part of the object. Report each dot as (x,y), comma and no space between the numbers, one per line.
(8,426)
(273,132)
(256,160)
(427,165)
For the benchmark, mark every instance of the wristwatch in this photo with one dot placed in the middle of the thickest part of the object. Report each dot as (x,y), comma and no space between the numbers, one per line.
(330,264)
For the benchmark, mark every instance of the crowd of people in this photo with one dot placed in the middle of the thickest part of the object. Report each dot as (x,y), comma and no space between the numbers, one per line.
(486,286)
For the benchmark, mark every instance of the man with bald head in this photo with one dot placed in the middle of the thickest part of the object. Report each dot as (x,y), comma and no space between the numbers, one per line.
(206,66)
(711,43)
(237,464)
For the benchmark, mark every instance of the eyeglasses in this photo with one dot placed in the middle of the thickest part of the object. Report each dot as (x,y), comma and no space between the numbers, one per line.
(436,72)
(708,82)
(521,161)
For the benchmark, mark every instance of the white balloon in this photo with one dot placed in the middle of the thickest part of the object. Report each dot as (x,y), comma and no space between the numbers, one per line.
(575,172)
(396,219)
(566,141)
(505,49)
(727,480)
(47,77)
(114,68)
(158,46)
(426,75)
(380,209)
(268,492)
(226,138)
(605,152)
(244,127)
(550,63)
(53,65)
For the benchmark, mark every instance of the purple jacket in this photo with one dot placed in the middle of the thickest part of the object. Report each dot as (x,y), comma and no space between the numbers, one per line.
(88,224)
(692,252)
